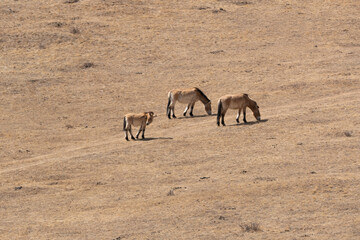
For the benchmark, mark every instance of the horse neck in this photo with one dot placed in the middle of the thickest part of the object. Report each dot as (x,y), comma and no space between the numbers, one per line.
(251,104)
(203,99)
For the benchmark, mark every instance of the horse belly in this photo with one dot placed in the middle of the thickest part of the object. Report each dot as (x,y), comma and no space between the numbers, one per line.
(234,105)
(137,122)
(186,98)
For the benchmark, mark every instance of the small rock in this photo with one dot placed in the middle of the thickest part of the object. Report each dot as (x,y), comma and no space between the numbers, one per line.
(217,51)
(87,65)
(75,31)
(348,134)
(204,177)
(71,1)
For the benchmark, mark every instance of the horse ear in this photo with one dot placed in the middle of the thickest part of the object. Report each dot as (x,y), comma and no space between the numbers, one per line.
(246,95)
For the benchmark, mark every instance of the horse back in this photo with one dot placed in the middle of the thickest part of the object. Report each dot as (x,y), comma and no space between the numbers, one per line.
(136,119)
(233,101)
(185,95)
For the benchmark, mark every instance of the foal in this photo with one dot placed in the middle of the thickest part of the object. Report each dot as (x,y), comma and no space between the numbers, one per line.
(240,102)
(137,119)
(188,96)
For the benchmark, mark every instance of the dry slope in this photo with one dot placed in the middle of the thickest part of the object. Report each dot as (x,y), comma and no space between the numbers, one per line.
(69,70)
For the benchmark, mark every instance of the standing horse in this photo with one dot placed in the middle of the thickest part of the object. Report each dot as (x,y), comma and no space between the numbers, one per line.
(137,119)
(240,102)
(188,96)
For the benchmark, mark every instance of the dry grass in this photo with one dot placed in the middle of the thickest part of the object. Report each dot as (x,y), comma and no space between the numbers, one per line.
(70,70)
(250,227)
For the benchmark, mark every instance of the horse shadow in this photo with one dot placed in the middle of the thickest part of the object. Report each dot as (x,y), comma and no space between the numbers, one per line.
(248,123)
(196,116)
(155,138)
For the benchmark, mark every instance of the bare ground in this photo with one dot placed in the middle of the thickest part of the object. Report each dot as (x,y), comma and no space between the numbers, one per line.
(70,70)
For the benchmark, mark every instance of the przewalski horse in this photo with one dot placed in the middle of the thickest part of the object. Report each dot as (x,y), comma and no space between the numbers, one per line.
(137,119)
(188,96)
(240,102)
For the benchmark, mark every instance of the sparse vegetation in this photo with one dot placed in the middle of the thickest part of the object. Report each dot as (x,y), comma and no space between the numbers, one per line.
(250,227)
(87,65)
(71,1)
(75,31)
(64,93)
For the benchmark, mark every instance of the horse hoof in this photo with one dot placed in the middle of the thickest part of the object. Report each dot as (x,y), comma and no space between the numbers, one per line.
(126,139)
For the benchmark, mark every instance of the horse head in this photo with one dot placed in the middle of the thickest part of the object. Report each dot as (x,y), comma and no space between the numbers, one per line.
(208,108)
(149,117)
(255,109)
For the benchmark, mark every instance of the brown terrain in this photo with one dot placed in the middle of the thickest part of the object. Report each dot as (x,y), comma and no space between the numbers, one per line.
(70,70)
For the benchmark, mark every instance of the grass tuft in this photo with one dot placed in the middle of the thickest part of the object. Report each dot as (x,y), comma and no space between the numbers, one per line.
(250,227)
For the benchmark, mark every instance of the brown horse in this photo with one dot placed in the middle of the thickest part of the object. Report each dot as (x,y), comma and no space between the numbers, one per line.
(188,96)
(240,102)
(137,119)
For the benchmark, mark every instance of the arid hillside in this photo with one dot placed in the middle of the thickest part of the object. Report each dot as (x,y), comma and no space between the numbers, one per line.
(71,69)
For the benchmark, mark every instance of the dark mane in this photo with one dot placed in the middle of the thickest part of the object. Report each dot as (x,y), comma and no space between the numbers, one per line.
(202,94)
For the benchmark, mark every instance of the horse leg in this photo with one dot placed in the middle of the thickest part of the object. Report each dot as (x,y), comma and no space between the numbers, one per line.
(126,135)
(191,109)
(132,137)
(173,111)
(238,116)
(222,119)
(143,133)
(137,135)
(169,112)
(223,116)
(186,109)
(171,107)
(244,113)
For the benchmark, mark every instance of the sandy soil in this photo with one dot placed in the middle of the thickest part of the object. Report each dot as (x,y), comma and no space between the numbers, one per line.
(70,71)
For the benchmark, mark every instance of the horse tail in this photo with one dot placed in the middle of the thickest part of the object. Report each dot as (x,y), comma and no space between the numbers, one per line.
(168,105)
(124,125)
(219,111)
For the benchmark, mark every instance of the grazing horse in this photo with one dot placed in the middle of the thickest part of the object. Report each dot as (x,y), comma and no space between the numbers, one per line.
(240,102)
(137,119)
(188,96)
